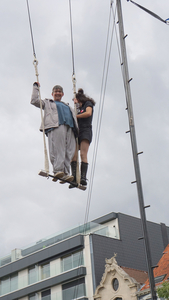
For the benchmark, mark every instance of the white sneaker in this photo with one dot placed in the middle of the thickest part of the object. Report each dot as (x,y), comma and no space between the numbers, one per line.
(59,174)
(68,178)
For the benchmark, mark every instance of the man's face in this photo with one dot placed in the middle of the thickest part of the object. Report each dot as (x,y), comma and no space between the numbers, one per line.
(57,95)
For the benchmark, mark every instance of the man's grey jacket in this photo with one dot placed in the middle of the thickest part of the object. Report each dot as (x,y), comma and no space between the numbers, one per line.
(51,119)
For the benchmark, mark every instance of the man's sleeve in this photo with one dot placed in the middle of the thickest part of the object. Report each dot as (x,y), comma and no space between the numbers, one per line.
(35,97)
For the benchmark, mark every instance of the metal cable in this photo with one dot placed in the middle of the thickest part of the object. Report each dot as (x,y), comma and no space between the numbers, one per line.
(100,113)
(31,31)
(151,13)
(98,126)
(71,31)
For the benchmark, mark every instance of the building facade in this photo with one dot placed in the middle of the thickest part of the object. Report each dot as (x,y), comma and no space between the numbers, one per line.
(118,282)
(70,265)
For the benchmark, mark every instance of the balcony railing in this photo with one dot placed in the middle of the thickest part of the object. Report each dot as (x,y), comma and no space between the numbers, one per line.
(84,229)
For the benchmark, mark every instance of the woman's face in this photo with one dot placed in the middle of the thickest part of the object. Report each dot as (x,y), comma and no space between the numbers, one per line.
(77,101)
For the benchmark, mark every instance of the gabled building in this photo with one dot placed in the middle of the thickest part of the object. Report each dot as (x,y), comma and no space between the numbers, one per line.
(70,265)
(119,282)
(161,274)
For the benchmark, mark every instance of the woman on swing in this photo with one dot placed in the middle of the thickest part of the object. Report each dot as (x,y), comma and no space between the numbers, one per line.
(84,118)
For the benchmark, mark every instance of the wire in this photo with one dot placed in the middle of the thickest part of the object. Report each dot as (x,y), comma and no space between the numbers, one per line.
(100,112)
(151,13)
(71,31)
(30,24)
(98,126)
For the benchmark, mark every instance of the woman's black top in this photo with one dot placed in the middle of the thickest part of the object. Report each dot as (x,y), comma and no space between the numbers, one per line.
(85,124)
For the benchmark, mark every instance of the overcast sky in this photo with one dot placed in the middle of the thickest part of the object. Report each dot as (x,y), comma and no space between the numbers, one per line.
(33,207)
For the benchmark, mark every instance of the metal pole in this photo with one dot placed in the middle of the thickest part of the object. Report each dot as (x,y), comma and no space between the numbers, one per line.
(134,149)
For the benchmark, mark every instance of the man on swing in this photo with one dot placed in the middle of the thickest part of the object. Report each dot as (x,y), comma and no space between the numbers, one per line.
(61,127)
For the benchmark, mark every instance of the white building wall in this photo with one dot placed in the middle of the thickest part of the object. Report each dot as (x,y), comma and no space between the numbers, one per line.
(56,292)
(55,267)
(22,279)
(87,259)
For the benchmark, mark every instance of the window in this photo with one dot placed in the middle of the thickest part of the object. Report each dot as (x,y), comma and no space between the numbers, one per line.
(33,297)
(115,284)
(45,271)
(32,275)
(159,278)
(73,290)
(72,261)
(46,295)
(14,282)
(9,284)
(5,285)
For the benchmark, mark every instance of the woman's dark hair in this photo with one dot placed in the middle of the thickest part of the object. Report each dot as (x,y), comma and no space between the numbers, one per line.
(83,98)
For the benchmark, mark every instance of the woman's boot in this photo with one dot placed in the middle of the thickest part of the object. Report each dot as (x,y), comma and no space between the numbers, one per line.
(73,168)
(84,167)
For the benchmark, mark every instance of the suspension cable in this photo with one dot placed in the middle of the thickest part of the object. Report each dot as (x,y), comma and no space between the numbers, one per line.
(72,50)
(100,113)
(35,63)
(31,31)
(71,31)
(98,127)
(150,12)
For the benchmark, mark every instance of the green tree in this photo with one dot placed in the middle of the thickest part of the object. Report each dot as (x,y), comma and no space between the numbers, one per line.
(163,291)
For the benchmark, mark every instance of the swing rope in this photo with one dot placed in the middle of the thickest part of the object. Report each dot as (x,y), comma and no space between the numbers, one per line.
(74,88)
(35,63)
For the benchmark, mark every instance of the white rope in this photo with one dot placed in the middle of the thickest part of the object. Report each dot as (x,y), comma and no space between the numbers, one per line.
(46,163)
(77,144)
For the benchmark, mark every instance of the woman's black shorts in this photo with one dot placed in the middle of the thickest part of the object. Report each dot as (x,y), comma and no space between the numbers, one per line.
(85,134)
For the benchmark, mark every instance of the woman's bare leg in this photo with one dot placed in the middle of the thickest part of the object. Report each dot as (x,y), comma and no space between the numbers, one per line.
(84,147)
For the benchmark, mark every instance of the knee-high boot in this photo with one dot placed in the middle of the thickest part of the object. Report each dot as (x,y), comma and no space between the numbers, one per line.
(73,168)
(84,167)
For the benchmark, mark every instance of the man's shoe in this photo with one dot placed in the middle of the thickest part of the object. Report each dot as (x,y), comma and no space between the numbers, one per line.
(58,175)
(67,177)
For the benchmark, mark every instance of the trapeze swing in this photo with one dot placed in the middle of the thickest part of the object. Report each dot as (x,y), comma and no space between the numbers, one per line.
(45,172)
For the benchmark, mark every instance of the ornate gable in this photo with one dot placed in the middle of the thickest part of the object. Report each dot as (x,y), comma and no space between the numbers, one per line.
(116,283)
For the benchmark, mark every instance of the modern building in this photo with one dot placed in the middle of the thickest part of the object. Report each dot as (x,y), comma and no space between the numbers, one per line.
(70,265)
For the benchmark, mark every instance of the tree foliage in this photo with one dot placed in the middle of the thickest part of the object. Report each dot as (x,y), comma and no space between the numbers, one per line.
(163,291)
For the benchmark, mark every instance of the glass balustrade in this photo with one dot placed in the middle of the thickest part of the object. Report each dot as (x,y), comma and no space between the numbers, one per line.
(84,229)
(38,273)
